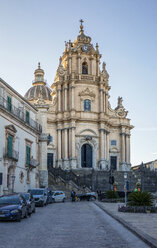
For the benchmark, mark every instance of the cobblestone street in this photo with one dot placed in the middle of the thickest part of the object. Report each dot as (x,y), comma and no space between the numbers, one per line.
(67,225)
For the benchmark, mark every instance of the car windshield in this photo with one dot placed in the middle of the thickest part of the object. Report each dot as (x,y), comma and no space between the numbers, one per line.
(9,200)
(36,191)
(26,196)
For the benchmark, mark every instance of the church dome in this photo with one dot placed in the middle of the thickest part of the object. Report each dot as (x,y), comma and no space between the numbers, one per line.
(39,90)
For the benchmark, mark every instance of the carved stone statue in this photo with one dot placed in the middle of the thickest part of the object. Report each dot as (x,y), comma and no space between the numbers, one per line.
(120,100)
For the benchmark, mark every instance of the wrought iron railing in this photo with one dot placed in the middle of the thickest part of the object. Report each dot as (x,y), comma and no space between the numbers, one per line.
(19,114)
(32,163)
(65,175)
(14,155)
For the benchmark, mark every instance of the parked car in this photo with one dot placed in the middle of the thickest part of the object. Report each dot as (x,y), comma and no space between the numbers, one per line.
(58,196)
(87,196)
(30,202)
(13,207)
(49,195)
(39,195)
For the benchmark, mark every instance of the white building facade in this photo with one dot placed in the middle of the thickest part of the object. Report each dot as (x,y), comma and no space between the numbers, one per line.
(19,142)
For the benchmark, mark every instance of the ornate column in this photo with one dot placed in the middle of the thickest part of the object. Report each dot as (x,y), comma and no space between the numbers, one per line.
(59,159)
(107,146)
(128,149)
(73,152)
(102,144)
(66,162)
(123,147)
(78,64)
(90,65)
(65,98)
(72,97)
(70,64)
(101,100)
(106,103)
(59,99)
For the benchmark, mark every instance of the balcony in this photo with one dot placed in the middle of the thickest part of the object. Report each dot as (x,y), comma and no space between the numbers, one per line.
(13,155)
(19,114)
(32,163)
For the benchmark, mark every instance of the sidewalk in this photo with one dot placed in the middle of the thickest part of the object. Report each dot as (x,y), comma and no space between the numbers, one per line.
(143,225)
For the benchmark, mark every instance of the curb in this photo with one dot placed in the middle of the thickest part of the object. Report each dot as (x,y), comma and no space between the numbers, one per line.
(144,237)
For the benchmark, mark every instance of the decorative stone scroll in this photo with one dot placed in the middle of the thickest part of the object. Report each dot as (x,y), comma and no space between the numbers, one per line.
(120,110)
(86,93)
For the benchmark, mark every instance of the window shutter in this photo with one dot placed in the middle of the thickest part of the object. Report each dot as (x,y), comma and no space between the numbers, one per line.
(9,146)
(28,150)
(27,116)
(9,103)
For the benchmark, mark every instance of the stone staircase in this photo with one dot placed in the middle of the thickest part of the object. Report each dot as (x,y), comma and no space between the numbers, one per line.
(87,180)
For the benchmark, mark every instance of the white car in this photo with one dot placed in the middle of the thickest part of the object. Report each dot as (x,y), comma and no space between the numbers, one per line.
(58,196)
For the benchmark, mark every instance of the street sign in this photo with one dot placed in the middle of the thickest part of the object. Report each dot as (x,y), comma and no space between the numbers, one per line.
(1,178)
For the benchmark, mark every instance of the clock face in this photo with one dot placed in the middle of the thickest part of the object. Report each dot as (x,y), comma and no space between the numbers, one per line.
(85,48)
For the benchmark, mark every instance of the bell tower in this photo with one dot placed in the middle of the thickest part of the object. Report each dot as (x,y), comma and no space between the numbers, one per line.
(85,122)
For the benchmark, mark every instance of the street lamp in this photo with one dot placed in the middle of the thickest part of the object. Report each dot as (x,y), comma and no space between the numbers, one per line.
(125,188)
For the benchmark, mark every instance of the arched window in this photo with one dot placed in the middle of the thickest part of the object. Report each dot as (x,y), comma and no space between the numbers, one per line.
(84,68)
(87,105)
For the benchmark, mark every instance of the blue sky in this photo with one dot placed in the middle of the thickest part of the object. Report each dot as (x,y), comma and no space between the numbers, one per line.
(32,31)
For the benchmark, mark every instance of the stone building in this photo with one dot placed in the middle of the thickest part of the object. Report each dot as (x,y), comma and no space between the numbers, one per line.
(19,142)
(84,131)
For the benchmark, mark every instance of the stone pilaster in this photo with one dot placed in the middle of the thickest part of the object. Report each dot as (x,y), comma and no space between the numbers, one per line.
(101,100)
(123,164)
(102,149)
(107,147)
(65,98)
(128,150)
(66,161)
(106,102)
(78,64)
(43,172)
(73,152)
(123,147)
(72,97)
(59,99)
(59,159)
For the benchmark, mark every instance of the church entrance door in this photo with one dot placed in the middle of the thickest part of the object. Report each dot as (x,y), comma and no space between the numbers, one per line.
(86,156)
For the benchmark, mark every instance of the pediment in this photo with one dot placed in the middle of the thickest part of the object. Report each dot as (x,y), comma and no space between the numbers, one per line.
(87,92)
(87,132)
(11,128)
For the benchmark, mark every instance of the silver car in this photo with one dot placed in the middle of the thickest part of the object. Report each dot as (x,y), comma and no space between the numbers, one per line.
(39,195)
(58,196)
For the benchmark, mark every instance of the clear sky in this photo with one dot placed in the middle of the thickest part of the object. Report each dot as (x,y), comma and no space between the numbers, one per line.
(126,31)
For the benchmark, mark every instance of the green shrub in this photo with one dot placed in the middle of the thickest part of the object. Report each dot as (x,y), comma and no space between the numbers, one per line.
(140,199)
(111,194)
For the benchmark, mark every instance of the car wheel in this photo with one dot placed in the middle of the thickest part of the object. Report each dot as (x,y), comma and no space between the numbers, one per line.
(53,200)
(63,200)
(34,210)
(19,217)
(42,204)
(92,198)
(26,214)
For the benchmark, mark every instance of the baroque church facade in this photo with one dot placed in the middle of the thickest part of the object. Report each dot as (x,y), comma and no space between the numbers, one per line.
(84,131)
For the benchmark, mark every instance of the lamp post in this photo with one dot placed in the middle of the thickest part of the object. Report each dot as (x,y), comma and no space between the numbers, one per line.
(125,188)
